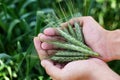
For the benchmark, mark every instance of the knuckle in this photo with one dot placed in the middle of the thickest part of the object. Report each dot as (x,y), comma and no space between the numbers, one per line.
(71,20)
(89,17)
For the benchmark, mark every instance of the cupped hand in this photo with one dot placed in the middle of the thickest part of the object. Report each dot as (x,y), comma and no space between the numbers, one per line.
(91,69)
(95,36)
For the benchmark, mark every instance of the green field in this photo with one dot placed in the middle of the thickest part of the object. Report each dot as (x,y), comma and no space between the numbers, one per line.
(21,20)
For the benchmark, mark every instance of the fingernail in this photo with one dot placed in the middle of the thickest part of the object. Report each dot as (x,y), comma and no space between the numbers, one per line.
(40,34)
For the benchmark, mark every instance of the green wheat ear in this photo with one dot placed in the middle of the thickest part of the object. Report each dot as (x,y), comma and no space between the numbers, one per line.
(66,30)
(70,53)
(70,46)
(72,39)
(67,59)
(78,31)
(74,48)
(71,30)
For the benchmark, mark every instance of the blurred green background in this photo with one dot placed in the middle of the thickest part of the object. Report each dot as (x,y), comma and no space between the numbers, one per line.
(19,25)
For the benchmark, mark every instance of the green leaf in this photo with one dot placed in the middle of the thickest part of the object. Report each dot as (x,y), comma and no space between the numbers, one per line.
(38,21)
(11,27)
(4,56)
(24,5)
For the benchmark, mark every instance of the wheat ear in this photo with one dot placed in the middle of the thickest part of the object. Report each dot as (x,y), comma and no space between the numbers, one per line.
(72,39)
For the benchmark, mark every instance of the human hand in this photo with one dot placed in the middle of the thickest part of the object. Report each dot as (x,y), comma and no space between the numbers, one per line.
(45,50)
(105,42)
(76,70)
(95,36)
(91,69)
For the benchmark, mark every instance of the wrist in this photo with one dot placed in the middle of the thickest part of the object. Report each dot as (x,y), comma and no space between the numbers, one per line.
(113,44)
(104,73)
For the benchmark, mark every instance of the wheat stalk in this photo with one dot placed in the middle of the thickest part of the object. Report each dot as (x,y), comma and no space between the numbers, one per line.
(66,30)
(67,59)
(78,31)
(72,39)
(70,46)
(71,30)
(70,54)
(74,48)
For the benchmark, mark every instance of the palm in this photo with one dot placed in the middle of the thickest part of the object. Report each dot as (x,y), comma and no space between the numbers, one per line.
(95,38)
(81,66)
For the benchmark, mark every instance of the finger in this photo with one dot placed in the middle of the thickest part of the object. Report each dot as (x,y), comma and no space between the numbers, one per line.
(71,22)
(51,31)
(42,53)
(59,66)
(80,20)
(46,37)
(46,45)
(52,70)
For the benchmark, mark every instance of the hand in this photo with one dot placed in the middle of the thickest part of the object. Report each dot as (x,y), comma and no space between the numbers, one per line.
(95,36)
(76,70)
(92,69)
(105,42)
(88,73)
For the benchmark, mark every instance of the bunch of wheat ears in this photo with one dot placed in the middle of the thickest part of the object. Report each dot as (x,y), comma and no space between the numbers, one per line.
(74,47)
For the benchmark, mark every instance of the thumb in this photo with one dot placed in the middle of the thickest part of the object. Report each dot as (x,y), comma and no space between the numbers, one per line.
(51,69)
(46,63)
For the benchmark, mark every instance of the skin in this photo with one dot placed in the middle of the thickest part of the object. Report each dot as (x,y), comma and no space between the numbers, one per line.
(80,70)
(100,40)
